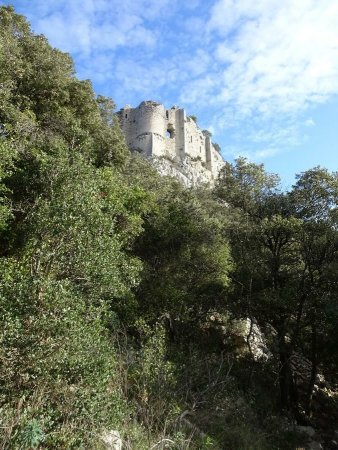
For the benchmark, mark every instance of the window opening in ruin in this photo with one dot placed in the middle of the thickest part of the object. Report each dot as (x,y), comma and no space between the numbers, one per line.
(126,116)
(167,114)
(170,131)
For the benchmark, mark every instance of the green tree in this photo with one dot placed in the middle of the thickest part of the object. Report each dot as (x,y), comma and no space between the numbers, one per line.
(284,246)
(184,249)
(69,284)
(44,108)
(315,201)
(68,221)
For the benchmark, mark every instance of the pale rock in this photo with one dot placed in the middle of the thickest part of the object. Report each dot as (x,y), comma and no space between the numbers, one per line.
(306,430)
(112,440)
(252,335)
(314,445)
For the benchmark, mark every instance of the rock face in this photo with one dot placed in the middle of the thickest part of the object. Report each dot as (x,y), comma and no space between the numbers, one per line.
(246,336)
(256,340)
(309,431)
(314,445)
(188,171)
(112,440)
(178,146)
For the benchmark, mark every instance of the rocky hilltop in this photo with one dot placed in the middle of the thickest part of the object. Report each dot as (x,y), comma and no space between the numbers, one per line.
(173,140)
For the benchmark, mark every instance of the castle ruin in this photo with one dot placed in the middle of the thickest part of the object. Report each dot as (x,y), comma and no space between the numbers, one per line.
(173,140)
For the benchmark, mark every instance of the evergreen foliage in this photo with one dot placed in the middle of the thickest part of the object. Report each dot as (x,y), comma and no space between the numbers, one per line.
(124,296)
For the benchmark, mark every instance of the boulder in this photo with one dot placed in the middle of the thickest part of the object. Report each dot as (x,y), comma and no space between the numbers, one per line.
(314,445)
(112,440)
(309,431)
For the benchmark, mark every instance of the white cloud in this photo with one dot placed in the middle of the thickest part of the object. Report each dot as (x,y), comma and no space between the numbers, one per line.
(83,27)
(277,57)
(262,57)
(271,60)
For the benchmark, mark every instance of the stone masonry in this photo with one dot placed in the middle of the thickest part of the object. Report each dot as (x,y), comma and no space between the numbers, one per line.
(173,140)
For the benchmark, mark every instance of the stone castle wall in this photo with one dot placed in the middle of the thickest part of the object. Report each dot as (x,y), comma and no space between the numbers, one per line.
(155,131)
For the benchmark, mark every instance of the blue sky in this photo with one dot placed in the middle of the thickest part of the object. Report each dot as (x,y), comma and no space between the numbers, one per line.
(262,75)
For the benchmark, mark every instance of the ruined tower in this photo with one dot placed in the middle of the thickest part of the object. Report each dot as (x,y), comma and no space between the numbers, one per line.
(171,135)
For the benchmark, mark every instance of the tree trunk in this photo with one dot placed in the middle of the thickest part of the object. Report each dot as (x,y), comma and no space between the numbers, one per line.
(314,369)
(283,371)
(288,389)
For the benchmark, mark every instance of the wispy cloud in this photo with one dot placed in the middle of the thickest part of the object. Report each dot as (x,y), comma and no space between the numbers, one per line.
(243,56)
(272,56)
(85,27)
(272,61)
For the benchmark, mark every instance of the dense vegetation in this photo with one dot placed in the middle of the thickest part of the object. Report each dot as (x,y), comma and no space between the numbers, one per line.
(125,297)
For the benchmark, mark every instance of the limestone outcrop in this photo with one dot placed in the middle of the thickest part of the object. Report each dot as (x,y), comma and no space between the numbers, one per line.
(112,440)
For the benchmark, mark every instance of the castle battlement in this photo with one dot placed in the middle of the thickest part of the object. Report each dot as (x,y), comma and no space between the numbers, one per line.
(155,131)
